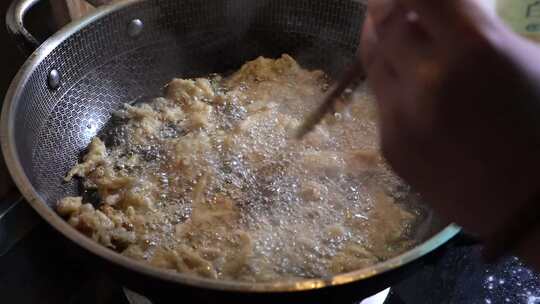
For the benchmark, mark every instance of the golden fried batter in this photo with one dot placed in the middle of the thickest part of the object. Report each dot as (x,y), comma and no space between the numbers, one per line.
(209,180)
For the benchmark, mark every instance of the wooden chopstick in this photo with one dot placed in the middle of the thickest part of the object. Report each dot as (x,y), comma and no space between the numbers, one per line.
(352,78)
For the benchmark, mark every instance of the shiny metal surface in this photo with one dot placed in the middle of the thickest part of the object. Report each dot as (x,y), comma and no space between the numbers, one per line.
(15,25)
(44,131)
(53,79)
(135,298)
(378,298)
(135,27)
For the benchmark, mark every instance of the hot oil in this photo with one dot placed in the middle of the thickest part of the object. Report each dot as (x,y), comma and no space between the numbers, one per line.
(226,191)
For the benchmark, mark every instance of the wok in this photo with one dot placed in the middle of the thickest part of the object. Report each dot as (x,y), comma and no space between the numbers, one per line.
(65,92)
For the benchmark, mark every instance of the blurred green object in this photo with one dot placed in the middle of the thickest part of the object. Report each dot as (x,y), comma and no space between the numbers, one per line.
(522,15)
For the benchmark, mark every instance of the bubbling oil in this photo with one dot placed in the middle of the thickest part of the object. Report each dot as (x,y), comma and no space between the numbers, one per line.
(209,180)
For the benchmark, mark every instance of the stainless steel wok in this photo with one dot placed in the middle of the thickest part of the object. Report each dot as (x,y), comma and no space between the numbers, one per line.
(69,86)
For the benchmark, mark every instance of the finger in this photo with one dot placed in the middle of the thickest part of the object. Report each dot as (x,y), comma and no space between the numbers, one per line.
(399,63)
(386,87)
(403,42)
(371,48)
(437,15)
(383,80)
(369,43)
(447,18)
(381,10)
(384,14)
(379,72)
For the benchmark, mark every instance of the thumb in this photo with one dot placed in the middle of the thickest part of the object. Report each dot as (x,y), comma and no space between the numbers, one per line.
(443,17)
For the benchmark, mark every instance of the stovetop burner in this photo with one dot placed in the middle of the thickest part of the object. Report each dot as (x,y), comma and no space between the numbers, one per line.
(135,298)
(38,269)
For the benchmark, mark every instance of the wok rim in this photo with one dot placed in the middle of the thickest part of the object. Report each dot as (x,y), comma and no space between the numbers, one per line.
(7,126)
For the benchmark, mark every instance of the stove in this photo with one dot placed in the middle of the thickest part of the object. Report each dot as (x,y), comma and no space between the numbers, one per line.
(36,268)
(135,298)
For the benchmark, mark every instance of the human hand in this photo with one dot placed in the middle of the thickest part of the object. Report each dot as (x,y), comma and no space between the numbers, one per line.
(459,101)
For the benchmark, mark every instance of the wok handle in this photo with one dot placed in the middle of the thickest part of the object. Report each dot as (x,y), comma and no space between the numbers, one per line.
(27,42)
(98,2)
(15,25)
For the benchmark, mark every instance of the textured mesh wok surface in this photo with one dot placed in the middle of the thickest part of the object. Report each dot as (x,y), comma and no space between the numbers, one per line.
(101,66)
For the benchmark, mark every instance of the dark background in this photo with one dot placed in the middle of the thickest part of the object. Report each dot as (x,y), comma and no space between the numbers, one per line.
(10,60)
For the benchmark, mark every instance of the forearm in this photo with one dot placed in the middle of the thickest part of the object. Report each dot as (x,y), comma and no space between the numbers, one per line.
(459,100)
